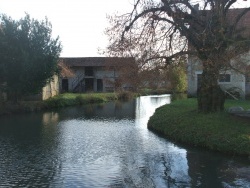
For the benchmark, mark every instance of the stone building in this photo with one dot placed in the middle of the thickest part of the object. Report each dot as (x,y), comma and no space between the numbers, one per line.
(229,79)
(97,74)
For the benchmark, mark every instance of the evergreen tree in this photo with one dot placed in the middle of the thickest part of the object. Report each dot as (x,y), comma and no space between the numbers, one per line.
(28,55)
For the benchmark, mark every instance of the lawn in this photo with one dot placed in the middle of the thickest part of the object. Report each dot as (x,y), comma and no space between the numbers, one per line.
(70,99)
(180,121)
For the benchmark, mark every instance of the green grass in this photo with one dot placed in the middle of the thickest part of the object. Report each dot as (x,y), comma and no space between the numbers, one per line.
(64,100)
(179,121)
(70,99)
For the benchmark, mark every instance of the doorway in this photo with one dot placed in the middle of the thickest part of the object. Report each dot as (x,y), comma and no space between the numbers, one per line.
(65,85)
(89,84)
(99,85)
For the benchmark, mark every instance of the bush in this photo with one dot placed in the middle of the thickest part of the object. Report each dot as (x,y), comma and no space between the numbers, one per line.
(70,99)
(178,77)
(178,96)
(60,101)
(125,95)
(233,92)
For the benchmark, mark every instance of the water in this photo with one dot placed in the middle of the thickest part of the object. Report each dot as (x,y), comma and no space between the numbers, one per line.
(107,145)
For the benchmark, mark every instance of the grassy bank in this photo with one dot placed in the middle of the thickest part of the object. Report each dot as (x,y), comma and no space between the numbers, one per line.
(71,99)
(179,121)
(62,100)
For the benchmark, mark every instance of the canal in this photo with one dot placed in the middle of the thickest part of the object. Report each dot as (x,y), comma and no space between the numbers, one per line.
(107,145)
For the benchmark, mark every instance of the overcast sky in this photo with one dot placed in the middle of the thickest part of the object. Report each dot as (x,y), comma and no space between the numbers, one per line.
(80,24)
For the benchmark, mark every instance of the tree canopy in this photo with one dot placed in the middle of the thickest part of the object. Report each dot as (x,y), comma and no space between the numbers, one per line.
(28,55)
(170,29)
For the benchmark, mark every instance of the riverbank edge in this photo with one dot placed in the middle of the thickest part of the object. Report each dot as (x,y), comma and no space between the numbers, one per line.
(62,100)
(76,99)
(180,122)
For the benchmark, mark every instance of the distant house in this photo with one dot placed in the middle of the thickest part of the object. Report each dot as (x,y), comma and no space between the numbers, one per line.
(87,74)
(97,74)
(229,79)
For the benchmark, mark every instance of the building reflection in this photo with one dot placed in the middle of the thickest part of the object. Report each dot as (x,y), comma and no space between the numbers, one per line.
(110,110)
(50,118)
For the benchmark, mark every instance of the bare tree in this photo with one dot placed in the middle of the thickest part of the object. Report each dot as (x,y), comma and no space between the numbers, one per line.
(168,29)
(122,73)
(65,70)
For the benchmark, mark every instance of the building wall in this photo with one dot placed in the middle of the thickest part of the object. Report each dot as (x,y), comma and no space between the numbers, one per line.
(51,89)
(194,68)
(237,80)
(107,77)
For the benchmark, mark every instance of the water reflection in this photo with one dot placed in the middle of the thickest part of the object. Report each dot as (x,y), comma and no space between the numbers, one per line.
(215,170)
(111,110)
(106,145)
(50,118)
(27,150)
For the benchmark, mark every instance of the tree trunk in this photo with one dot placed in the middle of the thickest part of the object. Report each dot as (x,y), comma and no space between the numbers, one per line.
(211,98)
(14,96)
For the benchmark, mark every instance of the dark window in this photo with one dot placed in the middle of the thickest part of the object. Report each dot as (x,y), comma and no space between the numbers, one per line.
(99,85)
(89,84)
(224,78)
(247,78)
(198,80)
(65,85)
(89,71)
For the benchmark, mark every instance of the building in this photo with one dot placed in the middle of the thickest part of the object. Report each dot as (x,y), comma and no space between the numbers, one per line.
(229,80)
(97,74)
(87,74)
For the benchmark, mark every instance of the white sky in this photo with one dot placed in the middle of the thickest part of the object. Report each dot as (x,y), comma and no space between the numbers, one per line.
(80,24)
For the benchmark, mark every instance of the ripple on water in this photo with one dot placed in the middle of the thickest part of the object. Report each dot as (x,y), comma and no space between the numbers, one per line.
(106,146)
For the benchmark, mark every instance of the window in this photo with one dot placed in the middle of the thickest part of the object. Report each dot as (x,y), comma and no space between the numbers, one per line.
(65,85)
(89,71)
(247,78)
(225,78)
(198,80)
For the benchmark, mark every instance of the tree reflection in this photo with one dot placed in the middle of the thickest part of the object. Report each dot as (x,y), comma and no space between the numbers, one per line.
(28,150)
(208,169)
(111,147)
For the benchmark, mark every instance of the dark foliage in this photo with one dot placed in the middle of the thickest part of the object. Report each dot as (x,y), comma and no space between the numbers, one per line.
(28,55)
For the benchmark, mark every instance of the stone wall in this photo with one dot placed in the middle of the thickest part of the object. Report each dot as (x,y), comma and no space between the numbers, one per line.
(237,80)
(51,89)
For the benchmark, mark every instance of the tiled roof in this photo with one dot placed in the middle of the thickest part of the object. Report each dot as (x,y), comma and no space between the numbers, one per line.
(231,18)
(244,21)
(65,71)
(96,61)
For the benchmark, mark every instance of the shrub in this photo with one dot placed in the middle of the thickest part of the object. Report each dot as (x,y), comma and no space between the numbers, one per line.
(69,99)
(125,95)
(80,99)
(178,96)
(61,101)
(233,92)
